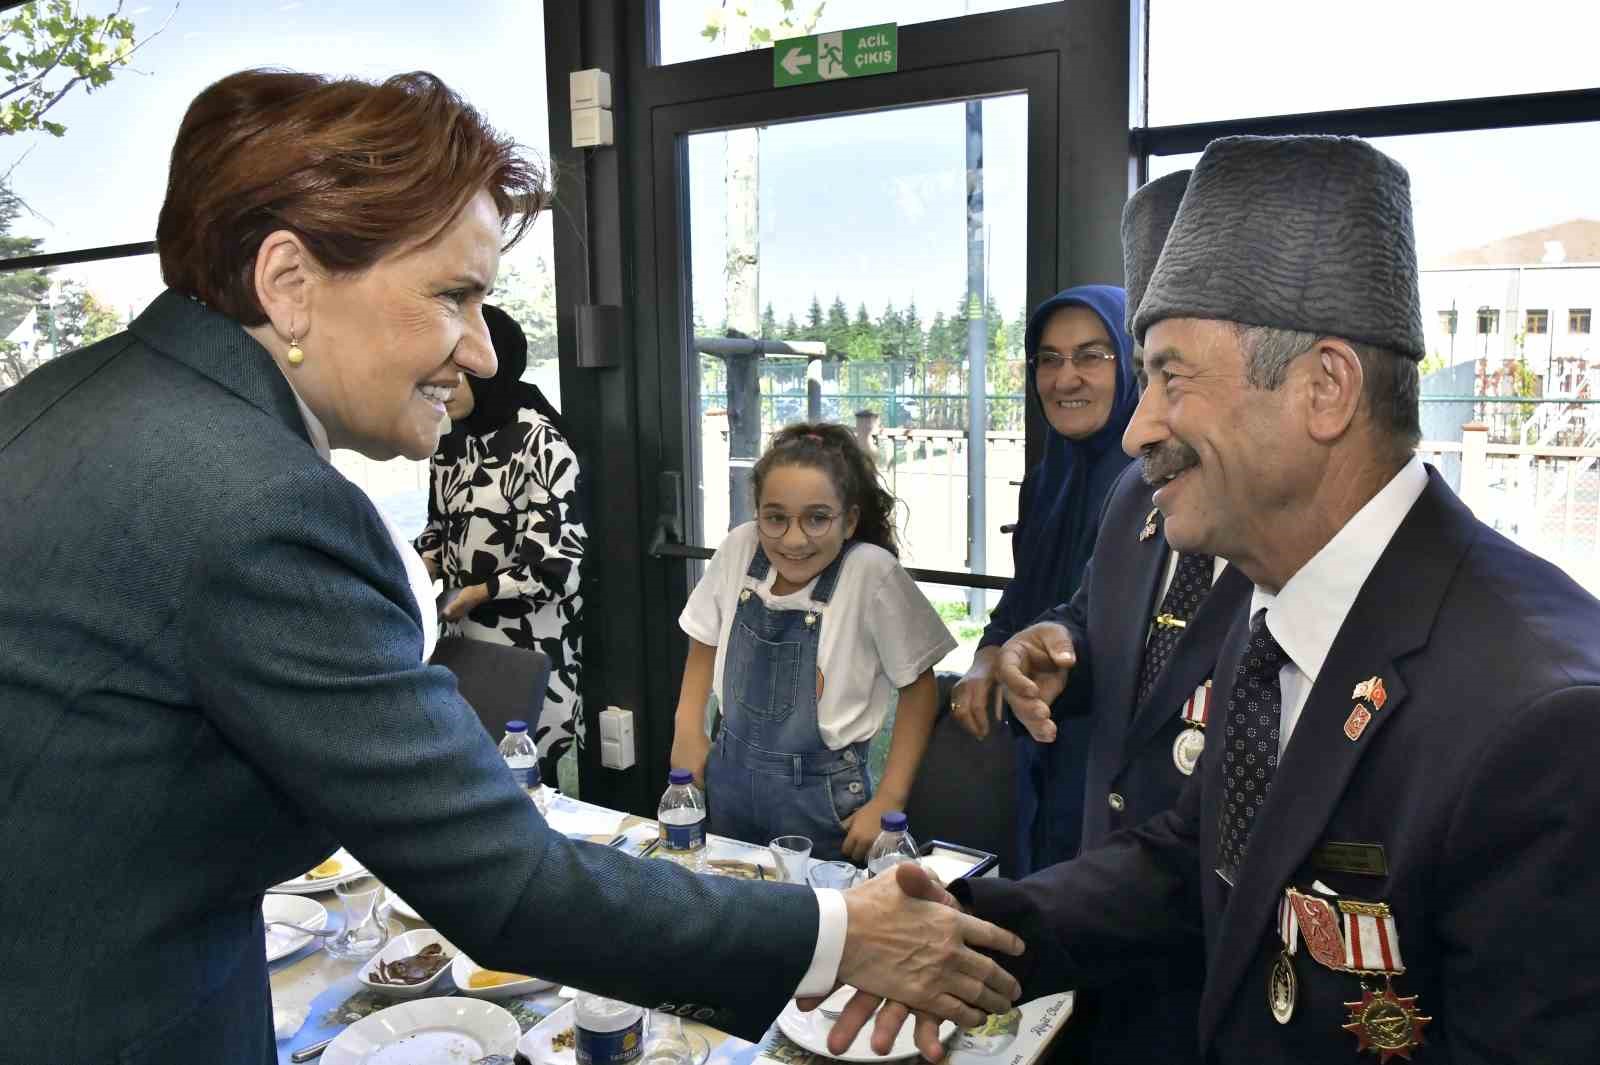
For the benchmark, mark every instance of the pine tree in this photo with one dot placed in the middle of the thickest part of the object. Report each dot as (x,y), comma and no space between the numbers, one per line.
(891,333)
(769,324)
(814,328)
(914,345)
(837,330)
(791,329)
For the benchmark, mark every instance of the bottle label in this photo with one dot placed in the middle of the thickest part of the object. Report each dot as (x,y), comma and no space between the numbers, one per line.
(527,777)
(684,837)
(611,1048)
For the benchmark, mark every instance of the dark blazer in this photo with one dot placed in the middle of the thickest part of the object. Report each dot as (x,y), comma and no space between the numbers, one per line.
(1477,778)
(210,676)
(1130,774)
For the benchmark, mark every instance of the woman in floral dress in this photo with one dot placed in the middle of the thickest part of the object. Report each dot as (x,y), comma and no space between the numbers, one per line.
(505,532)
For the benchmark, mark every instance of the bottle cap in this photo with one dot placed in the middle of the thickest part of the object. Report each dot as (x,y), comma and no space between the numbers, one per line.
(680,776)
(516,726)
(894,821)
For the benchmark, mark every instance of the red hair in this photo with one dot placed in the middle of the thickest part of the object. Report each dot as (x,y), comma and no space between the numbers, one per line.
(357,170)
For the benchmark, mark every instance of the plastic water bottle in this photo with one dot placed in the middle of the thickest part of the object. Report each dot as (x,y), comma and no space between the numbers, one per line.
(608,1032)
(682,817)
(522,758)
(893,845)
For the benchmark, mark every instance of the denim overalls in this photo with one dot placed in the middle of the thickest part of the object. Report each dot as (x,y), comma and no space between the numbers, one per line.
(769,772)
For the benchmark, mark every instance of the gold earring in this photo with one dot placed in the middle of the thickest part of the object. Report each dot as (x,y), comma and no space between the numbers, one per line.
(295,355)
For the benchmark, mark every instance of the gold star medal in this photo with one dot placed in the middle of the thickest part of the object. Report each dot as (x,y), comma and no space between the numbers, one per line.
(1387,1024)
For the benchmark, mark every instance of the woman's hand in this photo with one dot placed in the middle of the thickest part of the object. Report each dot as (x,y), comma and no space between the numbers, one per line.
(465,602)
(975,693)
(862,827)
(690,749)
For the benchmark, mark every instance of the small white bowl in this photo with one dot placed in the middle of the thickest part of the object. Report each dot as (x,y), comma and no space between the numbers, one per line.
(463,967)
(403,946)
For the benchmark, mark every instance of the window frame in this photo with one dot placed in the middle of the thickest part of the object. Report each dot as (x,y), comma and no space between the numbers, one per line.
(1573,318)
(1541,315)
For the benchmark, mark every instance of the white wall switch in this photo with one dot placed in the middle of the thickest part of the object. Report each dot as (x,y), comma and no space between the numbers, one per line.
(616,738)
(588,88)
(591,127)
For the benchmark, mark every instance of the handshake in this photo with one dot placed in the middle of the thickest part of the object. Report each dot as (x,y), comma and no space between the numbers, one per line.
(911,949)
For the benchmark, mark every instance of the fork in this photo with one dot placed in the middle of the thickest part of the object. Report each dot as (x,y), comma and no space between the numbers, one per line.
(321,933)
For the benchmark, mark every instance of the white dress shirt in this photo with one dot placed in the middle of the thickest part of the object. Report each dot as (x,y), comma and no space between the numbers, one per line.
(1308,611)
(832,917)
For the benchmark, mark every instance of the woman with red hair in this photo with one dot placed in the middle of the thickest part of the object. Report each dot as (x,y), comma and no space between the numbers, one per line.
(213,648)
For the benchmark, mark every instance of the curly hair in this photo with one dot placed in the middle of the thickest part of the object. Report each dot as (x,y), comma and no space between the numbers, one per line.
(834,450)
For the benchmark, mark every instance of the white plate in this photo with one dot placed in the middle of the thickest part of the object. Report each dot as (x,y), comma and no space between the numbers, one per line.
(535,1042)
(427,1031)
(282,942)
(403,908)
(349,869)
(810,1030)
(463,967)
(403,946)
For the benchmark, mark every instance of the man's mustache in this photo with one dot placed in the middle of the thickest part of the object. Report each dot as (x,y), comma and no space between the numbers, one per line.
(1164,460)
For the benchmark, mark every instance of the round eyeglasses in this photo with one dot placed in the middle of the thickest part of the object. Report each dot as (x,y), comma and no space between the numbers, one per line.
(774,524)
(1047,363)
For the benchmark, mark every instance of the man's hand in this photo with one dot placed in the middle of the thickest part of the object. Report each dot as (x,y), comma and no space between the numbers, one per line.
(1034,666)
(465,602)
(976,694)
(909,941)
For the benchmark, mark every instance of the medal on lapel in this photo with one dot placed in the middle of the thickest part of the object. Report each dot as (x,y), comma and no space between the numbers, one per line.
(1282,986)
(1191,742)
(1372,693)
(1362,940)
(1149,529)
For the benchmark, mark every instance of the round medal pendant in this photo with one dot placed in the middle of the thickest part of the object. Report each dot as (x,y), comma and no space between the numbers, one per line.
(1186,750)
(1282,989)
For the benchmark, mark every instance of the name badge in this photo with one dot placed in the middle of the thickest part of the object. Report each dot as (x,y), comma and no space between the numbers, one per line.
(1363,859)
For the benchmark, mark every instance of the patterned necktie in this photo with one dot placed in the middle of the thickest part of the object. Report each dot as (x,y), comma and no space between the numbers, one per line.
(1191,583)
(1250,740)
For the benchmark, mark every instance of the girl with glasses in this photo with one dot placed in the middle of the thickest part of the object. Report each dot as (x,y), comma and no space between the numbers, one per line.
(805,624)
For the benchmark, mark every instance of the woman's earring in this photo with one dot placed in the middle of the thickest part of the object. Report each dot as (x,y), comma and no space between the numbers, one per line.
(295,355)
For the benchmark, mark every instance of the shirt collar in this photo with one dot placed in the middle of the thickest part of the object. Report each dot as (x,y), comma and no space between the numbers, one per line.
(1307,613)
(314,427)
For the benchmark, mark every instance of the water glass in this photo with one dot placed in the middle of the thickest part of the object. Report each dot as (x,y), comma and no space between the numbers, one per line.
(792,854)
(365,931)
(839,875)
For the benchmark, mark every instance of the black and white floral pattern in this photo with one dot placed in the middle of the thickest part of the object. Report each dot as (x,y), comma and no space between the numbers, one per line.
(503,511)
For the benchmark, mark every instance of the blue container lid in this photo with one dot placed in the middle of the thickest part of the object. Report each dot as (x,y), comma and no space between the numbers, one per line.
(516,726)
(680,776)
(894,821)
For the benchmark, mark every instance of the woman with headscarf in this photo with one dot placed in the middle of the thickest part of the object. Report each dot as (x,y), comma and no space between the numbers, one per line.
(505,530)
(1081,359)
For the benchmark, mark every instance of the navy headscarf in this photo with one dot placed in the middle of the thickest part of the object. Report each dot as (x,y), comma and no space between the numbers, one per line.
(1059,513)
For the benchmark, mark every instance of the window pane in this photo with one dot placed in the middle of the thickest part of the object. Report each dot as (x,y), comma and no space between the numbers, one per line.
(866,282)
(1512,258)
(699,29)
(1237,58)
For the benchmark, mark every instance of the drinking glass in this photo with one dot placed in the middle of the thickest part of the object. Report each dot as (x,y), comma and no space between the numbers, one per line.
(792,854)
(365,931)
(840,875)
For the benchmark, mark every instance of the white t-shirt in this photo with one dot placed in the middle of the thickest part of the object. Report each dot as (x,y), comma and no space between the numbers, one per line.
(879,633)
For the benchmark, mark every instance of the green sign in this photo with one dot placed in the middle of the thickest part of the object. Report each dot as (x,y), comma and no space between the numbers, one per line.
(829,56)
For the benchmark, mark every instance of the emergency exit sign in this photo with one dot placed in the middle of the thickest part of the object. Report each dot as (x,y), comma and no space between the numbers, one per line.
(829,56)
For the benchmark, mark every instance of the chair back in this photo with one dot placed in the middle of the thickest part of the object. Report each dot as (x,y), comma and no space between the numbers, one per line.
(965,792)
(501,682)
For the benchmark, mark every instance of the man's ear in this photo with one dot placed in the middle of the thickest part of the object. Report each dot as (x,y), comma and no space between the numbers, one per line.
(285,274)
(1334,383)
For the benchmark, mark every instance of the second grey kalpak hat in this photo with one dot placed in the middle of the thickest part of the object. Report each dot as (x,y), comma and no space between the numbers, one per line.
(1146,220)
(1304,233)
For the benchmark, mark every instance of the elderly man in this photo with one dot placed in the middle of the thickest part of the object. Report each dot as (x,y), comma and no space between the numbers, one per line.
(1144,674)
(1388,844)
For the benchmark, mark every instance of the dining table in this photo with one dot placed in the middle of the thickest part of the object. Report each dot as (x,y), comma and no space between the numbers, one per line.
(316,996)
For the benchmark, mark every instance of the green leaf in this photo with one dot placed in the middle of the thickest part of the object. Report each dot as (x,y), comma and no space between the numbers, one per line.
(55,129)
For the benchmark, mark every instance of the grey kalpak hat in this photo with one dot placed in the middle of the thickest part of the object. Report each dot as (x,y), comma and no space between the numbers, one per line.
(1146,220)
(1305,233)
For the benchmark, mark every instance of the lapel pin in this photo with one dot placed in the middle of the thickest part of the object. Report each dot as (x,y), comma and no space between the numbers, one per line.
(1356,723)
(1149,529)
(1372,691)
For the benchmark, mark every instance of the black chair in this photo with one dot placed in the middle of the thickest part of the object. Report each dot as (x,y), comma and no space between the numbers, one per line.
(964,791)
(502,683)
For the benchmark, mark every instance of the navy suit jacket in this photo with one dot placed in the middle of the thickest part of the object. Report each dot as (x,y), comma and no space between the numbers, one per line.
(210,675)
(1477,778)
